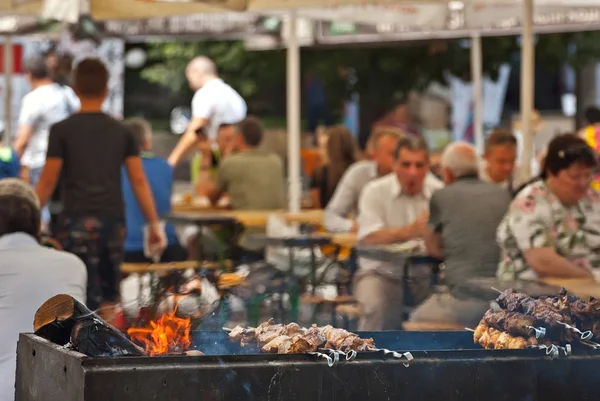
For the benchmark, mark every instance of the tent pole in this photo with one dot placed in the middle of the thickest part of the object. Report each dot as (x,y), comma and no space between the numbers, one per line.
(293,116)
(476,79)
(8,75)
(527,87)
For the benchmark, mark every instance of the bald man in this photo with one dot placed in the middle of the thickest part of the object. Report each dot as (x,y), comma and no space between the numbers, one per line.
(463,218)
(215,103)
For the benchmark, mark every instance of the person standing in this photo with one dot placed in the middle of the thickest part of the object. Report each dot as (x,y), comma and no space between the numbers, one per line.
(215,103)
(46,104)
(89,148)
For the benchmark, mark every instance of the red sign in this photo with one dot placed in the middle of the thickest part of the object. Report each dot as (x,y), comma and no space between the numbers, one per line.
(17,59)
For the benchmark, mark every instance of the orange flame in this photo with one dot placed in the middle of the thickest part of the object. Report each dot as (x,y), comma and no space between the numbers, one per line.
(168,334)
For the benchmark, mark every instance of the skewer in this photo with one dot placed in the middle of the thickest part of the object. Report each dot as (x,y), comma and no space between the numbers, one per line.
(350,355)
(550,350)
(591,344)
(470,329)
(585,335)
(406,355)
(331,362)
(497,290)
(540,332)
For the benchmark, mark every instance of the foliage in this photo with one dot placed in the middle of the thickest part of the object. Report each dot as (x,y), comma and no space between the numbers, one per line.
(382,72)
(241,69)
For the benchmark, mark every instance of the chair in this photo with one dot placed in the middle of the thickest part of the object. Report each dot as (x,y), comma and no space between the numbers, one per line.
(311,158)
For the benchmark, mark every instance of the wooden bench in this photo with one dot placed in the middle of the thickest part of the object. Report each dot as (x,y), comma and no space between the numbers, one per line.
(334,303)
(431,326)
(350,311)
(142,268)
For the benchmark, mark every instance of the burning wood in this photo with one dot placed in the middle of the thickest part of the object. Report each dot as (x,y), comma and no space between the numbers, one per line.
(64,320)
(168,334)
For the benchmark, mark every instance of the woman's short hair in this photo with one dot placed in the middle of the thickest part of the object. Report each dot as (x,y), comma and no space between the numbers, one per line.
(566,150)
(19,208)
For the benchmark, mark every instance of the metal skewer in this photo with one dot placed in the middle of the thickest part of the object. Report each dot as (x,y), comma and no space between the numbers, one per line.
(331,362)
(585,335)
(406,355)
(591,344)
(540,332)
(550,350)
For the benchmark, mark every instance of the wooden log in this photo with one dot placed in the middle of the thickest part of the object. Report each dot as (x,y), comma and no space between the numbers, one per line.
(63,319)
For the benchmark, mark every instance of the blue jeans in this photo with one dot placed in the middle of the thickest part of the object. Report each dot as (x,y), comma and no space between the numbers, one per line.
(34,177)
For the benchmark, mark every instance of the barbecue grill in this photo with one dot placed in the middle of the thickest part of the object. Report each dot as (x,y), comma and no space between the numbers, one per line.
(447,366)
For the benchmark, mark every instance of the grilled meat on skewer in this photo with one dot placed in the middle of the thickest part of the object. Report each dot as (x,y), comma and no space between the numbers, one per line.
(543,310)
(491,338)
(242,336)
(514,323)
(343,340)
(298,344)
(277,337)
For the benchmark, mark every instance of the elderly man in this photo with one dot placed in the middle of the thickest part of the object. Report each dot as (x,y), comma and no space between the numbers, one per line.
(463,218)
(393,209)
(30,274)
(215,103)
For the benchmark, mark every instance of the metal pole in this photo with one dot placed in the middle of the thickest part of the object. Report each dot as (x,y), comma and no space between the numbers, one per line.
(293,116)
(527,87)
(476,77)
(8,73)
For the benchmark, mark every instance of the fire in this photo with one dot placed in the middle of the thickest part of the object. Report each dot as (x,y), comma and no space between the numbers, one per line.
(168,334)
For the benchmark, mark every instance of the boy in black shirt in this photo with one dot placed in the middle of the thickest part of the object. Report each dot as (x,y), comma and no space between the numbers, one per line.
(89,148)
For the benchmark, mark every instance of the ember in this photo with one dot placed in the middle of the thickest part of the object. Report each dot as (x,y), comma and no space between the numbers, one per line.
(166,335)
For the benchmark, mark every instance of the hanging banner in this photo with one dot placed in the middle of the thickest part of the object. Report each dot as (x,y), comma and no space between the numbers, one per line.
(397,16)
(507,15)
(224,25)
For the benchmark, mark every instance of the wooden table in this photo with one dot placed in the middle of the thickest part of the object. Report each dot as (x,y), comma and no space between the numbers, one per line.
(346,240)
(583,288)
(255,218)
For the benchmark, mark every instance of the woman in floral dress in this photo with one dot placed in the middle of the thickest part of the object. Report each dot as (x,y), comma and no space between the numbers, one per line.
(553,225)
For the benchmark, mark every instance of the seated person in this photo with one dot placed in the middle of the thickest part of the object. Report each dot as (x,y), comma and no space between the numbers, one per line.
(9,162)
(253,178)
(342,208)
(553,225)
(463,237)
(205,164)
(30,274)
(393,209)
(160,178)
(500,159)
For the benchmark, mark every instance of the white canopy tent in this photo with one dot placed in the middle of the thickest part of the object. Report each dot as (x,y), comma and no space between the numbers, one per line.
(422,16)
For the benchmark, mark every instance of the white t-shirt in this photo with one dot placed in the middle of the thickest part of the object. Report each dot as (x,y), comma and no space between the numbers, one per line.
(41,108)
(30,274)
(220,104)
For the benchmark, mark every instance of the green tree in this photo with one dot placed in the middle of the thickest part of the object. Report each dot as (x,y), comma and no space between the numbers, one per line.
(240,68)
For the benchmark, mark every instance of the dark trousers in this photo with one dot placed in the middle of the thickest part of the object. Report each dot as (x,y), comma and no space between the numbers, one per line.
(98,242)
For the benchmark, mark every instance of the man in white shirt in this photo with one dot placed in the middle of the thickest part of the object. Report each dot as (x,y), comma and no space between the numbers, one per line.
(215,103)
(343,206)
(393,209)
(30,274)
(46,104)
